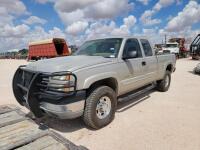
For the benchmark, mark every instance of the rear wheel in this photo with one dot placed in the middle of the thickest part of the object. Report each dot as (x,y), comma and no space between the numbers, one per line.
(100,107)
(164,84)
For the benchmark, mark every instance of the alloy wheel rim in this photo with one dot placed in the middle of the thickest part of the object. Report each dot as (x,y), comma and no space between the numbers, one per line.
(103,107)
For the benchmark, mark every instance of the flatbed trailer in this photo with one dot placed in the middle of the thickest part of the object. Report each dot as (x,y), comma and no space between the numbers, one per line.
(18,132)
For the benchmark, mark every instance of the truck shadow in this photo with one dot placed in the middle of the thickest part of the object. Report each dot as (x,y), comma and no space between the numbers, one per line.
(132,101)
(73,125)
(63,126)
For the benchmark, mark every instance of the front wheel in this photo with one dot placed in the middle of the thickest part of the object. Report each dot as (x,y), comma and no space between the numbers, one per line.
(164,84)
(100,107)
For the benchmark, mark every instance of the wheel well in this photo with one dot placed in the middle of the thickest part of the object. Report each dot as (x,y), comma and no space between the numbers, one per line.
(111,82)
(169,67)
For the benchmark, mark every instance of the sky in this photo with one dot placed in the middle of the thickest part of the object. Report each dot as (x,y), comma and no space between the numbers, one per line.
(24,21)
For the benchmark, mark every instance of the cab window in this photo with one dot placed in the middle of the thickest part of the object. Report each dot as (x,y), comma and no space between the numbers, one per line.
(146,47)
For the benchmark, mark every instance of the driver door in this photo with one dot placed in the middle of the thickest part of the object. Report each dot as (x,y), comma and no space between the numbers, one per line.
(133,66)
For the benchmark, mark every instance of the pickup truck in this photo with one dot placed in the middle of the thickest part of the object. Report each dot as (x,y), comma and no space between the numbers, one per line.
(89,83)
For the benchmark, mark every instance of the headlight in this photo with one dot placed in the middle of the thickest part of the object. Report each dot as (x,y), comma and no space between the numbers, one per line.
(61,78)
(63,83)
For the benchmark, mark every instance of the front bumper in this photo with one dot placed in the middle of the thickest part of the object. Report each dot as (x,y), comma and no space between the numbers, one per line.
(68,111)
(40,99)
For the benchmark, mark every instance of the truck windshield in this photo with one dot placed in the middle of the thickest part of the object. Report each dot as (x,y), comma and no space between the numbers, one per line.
(172,45)
(108,48)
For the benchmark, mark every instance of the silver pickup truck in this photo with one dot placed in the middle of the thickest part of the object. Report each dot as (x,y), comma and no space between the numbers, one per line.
(89,83)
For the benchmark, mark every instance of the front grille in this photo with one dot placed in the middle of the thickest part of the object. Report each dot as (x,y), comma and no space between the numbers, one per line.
(30,88)
(38,85)
(26,78)
(50,90)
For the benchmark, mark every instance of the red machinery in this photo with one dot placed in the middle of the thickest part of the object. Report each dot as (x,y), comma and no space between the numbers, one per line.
(183,51)
(48,49)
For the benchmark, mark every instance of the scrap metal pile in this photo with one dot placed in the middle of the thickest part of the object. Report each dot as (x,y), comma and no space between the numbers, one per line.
(197,69)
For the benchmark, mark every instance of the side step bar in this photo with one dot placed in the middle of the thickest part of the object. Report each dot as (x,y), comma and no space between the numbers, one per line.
(136,93)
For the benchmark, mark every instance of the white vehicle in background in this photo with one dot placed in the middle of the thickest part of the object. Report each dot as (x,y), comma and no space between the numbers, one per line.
(172,48)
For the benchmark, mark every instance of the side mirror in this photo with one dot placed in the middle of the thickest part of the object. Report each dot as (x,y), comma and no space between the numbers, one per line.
(130,54)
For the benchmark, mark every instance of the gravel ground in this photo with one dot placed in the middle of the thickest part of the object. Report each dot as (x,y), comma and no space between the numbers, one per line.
(153,121)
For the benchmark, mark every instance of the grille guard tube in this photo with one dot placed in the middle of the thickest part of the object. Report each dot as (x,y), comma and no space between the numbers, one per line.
(30,96)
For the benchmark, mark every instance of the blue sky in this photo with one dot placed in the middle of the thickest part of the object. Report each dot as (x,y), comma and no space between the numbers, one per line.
(22,21)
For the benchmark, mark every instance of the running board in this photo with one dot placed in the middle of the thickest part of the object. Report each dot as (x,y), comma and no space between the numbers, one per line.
(136,93)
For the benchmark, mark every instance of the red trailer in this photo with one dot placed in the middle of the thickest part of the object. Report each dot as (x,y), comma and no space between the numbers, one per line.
(48,49)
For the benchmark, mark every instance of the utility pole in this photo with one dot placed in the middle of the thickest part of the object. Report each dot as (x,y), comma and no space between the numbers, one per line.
(165,39)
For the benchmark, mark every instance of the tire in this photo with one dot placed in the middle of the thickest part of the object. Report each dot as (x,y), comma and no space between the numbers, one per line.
(164,84)
(90,116)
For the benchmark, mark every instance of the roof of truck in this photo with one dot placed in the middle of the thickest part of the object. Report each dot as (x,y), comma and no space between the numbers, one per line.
(119,36)
(47,41)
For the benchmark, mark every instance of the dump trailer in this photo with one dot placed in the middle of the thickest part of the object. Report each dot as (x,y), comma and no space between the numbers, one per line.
(195,48)
(48,49)
(183,51)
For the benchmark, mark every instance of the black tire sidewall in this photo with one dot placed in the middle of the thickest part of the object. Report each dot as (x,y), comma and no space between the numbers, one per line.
(161,84)
(169,75)
(100,92)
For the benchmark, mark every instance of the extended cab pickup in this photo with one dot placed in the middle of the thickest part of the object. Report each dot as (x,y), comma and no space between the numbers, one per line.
(89,83)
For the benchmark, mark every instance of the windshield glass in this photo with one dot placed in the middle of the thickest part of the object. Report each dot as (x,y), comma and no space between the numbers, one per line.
(103,47)
(172,45)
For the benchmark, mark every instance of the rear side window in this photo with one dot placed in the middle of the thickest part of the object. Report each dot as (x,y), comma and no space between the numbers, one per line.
(146,47)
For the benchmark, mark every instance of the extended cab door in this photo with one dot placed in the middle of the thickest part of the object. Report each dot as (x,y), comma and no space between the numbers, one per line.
(150,62)
(132,66)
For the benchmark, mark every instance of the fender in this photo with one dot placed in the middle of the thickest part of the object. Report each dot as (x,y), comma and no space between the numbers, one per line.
(97,77)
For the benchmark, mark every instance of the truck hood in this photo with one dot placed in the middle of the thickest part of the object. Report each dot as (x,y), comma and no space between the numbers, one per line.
(68,63)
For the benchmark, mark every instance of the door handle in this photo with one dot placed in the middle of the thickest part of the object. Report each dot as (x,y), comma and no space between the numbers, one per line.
(144,63)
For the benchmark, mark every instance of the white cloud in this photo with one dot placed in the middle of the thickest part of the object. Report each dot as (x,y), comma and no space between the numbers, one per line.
(43,1)
(130,21)
(72,5)
(149,31)
(69,18)
(122,30)
(145,2)
(19,37)
(186,18)
(34,20)
(146,18)
(9,10)
(14,31)
(38,33)
(107,9)
(71,11)
(14,7)
(77,27)
(163,3)
(99,29)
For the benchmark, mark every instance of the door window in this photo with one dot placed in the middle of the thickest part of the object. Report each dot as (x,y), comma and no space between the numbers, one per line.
(146,47)
(132,45)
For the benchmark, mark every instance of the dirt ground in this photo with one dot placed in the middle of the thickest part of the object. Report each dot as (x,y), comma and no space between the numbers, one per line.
(153,121)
